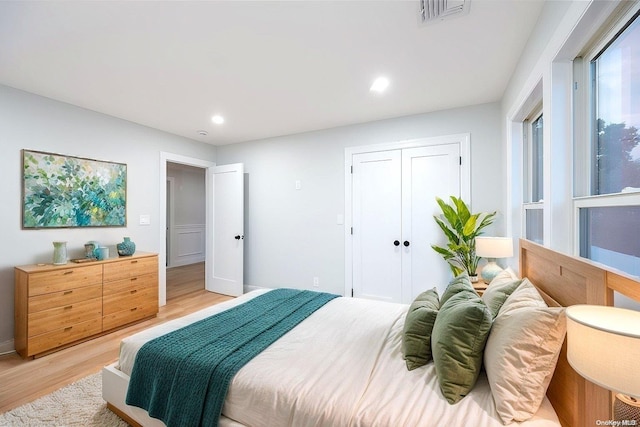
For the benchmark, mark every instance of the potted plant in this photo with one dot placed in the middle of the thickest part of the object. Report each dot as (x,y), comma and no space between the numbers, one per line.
(461,228)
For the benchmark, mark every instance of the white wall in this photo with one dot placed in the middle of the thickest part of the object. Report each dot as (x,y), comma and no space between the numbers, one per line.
(187,237)
(292,235)
(33,122)
(189,193)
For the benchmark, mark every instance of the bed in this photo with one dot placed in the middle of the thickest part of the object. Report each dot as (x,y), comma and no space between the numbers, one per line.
(362,380)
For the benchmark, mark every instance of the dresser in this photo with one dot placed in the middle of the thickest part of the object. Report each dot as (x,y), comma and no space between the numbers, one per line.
(60,305)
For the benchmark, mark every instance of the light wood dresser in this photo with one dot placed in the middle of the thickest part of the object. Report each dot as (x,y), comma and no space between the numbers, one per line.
(60,305)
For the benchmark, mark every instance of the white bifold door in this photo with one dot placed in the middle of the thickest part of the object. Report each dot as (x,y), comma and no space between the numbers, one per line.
(393,203)
(225,249)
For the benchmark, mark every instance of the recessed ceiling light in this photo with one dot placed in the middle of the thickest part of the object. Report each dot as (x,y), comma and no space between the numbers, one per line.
(217,119)
(379,85)
(203,133)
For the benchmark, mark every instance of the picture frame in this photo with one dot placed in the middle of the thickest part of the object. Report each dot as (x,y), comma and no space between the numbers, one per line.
(61,191)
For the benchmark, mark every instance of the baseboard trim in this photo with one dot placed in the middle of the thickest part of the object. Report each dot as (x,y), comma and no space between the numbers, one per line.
(7,347)
(249,288)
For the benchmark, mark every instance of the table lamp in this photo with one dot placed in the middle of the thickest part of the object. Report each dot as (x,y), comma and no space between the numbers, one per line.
(492,248)
(603,345)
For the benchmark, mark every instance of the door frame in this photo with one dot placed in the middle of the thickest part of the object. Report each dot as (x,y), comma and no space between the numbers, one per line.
(170,226)
(165,158)
(464,139)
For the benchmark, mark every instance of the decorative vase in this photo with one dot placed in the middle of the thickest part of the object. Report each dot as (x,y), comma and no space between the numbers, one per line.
(126,248)
(59,253)
(101,253)
(89,249)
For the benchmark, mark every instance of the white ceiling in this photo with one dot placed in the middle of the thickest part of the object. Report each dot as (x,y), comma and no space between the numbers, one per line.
(270,68)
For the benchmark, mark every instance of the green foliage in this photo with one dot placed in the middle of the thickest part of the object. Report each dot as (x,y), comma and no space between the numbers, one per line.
(461,228)
(617,167)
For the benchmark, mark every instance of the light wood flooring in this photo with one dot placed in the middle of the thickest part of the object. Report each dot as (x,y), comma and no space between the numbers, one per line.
(22,381)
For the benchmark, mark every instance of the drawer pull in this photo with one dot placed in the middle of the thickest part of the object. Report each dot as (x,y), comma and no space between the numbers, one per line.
(69,307)
(134,278)
(134,308)
(134,261)
(134,291)
(68,328)
(68,272)
(68,292)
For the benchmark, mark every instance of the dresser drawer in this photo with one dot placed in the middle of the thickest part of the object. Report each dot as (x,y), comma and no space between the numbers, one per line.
(132,314)
(61,317)
(57,338)
(138,282)
(64,298)
(129,299)
(130,268)
(64,279)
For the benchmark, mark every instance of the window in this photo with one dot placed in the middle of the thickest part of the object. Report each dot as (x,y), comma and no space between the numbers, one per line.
(533,179)
(608,214)
(616,121)
(608,236)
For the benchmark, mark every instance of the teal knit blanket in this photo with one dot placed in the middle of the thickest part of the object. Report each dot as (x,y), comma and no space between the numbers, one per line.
(182,377)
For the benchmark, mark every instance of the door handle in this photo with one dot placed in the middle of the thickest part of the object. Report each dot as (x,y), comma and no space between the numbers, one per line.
(238,237)
(406,243)
(396,243)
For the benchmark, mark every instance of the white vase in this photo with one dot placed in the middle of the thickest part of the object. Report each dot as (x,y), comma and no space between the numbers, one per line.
(59,253)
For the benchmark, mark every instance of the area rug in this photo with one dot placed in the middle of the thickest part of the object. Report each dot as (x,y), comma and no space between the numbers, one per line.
(78,404)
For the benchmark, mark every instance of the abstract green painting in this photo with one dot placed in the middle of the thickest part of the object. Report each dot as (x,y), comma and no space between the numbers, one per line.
(66,191)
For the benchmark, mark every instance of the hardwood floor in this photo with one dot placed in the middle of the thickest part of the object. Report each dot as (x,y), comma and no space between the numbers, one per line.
(22,381)
(185,280)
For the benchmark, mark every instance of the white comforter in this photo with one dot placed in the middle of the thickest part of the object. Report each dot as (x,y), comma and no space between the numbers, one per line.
(342,366)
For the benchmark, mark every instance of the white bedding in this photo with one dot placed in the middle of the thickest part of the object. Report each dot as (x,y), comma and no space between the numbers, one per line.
(342,366)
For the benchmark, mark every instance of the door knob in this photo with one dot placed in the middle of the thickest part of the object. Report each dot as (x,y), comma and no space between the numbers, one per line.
(406,243)
(237,237)
(396,243)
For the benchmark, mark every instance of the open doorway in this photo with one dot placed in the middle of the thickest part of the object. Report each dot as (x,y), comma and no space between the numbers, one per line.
(185,229)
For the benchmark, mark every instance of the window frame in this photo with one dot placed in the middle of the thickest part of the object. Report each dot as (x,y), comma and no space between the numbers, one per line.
(528,171)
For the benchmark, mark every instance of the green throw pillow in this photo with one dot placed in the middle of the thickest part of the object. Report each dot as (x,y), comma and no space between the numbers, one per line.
(416,335)
(457,343)
(459,283)
(497,293)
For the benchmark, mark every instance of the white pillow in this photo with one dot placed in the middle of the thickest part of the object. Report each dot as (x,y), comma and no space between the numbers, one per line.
(526,295)
(521,353)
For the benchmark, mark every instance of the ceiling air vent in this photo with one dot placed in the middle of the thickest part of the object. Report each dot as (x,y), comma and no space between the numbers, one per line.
(438,10)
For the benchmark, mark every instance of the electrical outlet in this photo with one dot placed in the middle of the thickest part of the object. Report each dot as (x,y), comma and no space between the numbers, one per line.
(316,282)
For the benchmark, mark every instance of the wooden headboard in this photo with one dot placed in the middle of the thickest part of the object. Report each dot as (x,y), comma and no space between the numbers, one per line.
(569,281)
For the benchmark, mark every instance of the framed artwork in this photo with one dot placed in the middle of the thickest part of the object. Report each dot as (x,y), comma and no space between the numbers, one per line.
(61,191)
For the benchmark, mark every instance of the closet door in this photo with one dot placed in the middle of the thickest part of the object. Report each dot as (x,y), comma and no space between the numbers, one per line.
(427,173)
(377,248)
(393,203)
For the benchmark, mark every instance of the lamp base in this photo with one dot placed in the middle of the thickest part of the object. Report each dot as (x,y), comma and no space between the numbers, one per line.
(490,271)
(626,408)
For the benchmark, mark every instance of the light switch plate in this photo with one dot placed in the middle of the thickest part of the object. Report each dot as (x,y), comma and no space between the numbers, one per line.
(145,219)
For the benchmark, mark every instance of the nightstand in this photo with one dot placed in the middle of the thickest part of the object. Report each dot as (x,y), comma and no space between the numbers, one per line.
(480,287)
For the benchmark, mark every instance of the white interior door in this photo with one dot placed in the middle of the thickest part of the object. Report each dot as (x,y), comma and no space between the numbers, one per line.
(376,225)
(226,251)
(427,173)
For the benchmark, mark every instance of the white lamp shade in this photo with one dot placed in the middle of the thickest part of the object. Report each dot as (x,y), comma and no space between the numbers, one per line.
(494,247)
(603,345)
